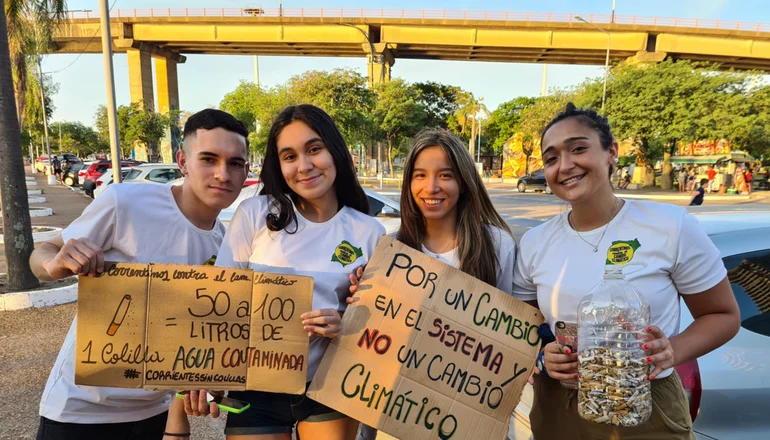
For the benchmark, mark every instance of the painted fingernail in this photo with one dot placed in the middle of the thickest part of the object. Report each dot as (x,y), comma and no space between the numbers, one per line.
(566,350)
(645,346)
(649,359)
(652,377)
(649,329)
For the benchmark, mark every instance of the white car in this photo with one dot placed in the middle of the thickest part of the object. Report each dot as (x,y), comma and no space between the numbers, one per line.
(151,172)
(728,388)
(385,210)
(106,180)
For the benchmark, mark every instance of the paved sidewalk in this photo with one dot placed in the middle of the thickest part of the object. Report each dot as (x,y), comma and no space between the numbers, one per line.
(67,205)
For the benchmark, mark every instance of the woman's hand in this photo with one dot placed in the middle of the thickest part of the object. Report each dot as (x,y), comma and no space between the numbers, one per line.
(324,322)
(560,362)
(197,404)
(659,351)
(355,279)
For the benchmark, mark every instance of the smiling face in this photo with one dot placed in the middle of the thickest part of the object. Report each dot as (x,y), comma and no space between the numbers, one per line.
(306,162)
(575,163)
(434,185)
(215,167)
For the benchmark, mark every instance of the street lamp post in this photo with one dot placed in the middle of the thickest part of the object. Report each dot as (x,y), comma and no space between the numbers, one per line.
(109,80)
(607,58)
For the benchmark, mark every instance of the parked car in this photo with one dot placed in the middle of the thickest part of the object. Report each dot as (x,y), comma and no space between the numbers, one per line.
(251,179)
(154,172)
(385,210)
(69,158)
(96,169)
(534,180)
(106,180)
(70,176)
(728,388)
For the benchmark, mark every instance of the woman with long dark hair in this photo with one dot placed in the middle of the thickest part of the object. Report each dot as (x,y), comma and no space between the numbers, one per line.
(310,207)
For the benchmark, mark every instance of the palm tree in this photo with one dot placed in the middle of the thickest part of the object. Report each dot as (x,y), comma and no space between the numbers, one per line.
(25,28)
(31,24)
(467,115)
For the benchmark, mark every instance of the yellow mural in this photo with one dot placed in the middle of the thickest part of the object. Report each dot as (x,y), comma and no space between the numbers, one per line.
(515,158)
(700,148)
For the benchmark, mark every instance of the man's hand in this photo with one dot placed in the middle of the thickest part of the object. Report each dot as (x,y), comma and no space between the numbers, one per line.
(77,256)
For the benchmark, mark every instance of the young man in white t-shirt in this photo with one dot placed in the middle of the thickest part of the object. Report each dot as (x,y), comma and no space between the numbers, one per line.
(140,223)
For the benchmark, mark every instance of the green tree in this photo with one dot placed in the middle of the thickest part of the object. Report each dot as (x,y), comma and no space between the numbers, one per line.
(467,116)
(505,121)
(76,138)
(257,108)
(31,25)
(33,127)
(439,101)
(657,105)
(136,125)
(343,94)
(397,114)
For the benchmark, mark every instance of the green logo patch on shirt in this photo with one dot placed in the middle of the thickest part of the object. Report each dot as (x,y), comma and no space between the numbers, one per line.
(621,252)
(346,253)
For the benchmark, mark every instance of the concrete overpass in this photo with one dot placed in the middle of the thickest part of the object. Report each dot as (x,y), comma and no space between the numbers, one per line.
(384,35)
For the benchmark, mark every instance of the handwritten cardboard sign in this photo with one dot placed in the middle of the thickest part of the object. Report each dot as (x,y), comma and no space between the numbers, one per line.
(180,327)
(428,351)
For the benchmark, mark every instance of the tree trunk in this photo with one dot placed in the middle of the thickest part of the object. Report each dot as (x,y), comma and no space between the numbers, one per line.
(17,228)
(390,159)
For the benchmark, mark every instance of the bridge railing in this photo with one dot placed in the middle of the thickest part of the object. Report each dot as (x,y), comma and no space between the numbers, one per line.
(348,14)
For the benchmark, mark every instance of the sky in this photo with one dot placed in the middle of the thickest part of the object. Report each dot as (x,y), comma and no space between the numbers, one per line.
(205,79)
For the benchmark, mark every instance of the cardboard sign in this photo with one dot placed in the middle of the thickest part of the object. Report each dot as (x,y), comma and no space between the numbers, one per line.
(428,352)
(186,327)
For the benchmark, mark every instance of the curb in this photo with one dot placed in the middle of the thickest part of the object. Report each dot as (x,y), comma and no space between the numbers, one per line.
(40,212)
(39,237)
(32,200)
(38,298)
(31,183)
(34,192)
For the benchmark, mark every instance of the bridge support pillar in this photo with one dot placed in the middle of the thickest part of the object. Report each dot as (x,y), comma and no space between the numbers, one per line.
(140,77)
(648,57)
(167,85)
(379,62)
(140,90)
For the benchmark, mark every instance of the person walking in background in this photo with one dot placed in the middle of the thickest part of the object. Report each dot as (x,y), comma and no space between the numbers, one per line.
(697,196)
(691,180)
(56,166)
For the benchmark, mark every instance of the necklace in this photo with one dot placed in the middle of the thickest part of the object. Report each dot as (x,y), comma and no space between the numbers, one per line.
(446,249)
(595,246)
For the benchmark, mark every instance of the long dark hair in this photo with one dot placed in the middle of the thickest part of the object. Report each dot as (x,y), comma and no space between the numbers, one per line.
(349,191)
(475,212)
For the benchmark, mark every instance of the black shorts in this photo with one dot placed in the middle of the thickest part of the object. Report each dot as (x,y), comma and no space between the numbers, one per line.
(150,429)
(57,171)
(273,413)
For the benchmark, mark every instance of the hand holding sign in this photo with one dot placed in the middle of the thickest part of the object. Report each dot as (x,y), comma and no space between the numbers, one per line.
(324,322)
(76,256)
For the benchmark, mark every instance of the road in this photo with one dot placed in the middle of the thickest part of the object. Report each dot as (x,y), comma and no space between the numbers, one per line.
(30,339)
(523,211)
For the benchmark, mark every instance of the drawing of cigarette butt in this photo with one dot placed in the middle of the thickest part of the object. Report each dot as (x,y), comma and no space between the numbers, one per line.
(120,315)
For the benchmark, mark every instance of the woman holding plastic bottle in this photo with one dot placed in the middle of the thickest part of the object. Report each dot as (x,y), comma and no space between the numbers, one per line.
(658,249)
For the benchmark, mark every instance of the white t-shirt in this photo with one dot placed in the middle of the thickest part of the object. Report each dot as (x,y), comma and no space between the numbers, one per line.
(558,268)
(505,248)
(309,251)
(138,223)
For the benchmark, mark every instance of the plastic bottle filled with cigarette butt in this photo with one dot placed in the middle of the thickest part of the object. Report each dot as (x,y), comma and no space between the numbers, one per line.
(613,380)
